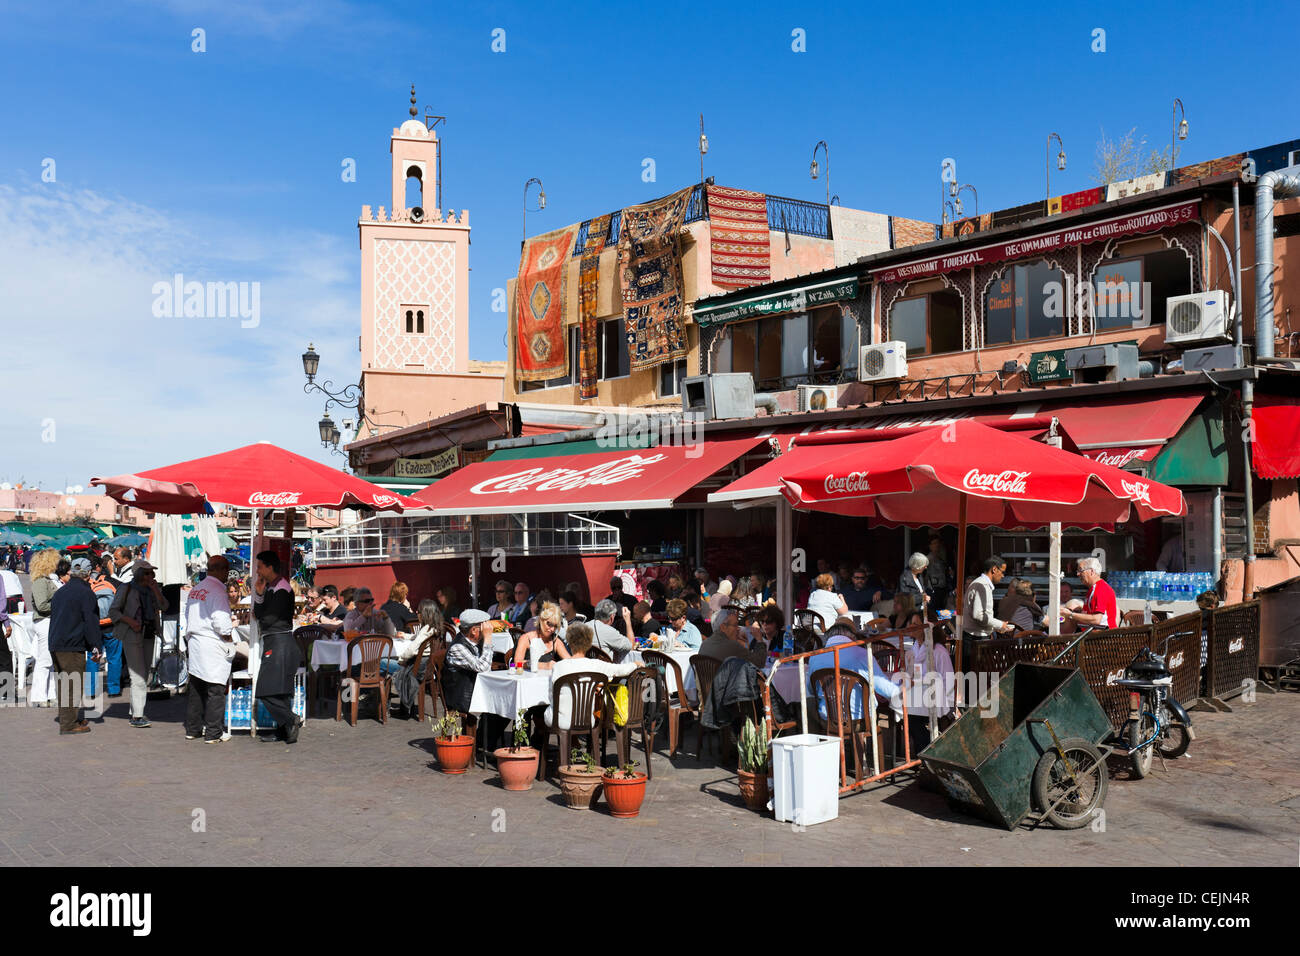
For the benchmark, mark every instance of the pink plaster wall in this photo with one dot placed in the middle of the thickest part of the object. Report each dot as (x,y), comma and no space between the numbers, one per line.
(398,399)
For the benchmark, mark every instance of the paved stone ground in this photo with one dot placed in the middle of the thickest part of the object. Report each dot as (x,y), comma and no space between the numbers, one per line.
(369,795)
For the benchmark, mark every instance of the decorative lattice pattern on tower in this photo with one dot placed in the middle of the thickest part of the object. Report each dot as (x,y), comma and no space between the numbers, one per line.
(423,272)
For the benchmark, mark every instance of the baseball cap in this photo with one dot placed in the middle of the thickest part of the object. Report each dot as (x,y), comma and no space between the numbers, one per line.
(142,565)
(473,616)
(80,566)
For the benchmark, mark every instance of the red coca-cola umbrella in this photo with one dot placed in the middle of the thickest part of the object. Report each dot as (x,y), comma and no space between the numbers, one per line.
(1000,477)
(260,476)
(968,473)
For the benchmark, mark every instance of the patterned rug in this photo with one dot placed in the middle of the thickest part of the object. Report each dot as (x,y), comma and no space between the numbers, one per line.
(588,281)
(540,290)
(650,271)
(738,243)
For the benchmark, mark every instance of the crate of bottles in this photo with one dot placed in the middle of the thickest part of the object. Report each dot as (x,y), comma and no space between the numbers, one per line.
(239,704)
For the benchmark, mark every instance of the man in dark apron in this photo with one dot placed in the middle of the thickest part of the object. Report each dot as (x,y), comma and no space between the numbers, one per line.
(273,607)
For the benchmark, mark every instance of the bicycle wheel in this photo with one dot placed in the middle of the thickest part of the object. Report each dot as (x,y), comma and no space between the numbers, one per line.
(1139,757)
(1174,739)
(1053,781)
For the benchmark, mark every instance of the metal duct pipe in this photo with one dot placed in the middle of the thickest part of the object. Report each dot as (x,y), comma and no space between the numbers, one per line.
(766,400)
(1279,184)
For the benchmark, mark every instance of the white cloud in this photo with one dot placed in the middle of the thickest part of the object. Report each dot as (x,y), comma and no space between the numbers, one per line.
(129,391)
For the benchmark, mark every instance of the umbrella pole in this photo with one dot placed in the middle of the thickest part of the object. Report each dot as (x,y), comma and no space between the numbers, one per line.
(473,561)
(961,593)
(1054,558)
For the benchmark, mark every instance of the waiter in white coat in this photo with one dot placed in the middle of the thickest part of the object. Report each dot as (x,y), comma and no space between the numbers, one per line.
(211,649)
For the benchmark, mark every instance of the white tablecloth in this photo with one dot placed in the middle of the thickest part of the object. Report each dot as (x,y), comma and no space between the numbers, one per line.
(330,651)
(504,694)
(503,643)
(683,659)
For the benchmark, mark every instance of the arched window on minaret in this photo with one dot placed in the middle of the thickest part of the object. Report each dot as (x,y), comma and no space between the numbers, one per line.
(410,320)
(414,188)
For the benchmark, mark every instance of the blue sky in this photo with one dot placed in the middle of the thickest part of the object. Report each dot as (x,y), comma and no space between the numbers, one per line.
(225,165)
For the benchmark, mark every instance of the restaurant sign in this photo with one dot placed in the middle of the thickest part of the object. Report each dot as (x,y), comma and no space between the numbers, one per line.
(439,464)
(791,300)
(1048,367)
(1148,221)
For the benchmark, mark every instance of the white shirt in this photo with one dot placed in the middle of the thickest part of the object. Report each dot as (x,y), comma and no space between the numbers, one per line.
(572,665)
(825,603)
(207,618)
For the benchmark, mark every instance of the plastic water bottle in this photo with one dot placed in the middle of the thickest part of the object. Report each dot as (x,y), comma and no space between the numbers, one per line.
(787,643)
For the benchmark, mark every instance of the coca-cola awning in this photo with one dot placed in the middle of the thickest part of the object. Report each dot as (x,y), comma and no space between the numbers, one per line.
(1119,431)
(604,481)
(1149,220)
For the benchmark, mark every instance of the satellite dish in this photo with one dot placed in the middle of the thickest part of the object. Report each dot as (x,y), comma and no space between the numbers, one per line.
(70,502)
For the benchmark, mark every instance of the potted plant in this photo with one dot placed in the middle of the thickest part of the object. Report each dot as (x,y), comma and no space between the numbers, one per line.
(455,750)
(580,780)
(517,763)
(753,764)
(624,790)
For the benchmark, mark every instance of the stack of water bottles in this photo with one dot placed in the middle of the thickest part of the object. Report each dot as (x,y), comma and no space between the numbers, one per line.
(240,706)
(1160,586)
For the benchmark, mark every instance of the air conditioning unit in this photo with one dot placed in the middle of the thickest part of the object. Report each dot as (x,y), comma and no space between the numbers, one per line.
(1112,362)
(816,398)
(885,362)
(721,395)
(1196,317)
(1212,358)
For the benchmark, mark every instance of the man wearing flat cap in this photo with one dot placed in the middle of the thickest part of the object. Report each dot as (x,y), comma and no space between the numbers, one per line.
(74,631)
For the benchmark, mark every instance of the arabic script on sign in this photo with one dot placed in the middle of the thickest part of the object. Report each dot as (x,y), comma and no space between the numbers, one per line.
(568,479)
(263,499)
(1003,483)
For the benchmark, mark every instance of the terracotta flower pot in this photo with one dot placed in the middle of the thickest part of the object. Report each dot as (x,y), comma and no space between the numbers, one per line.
(454,754)
(624,794)
(518,768)
(753,787)
(580,788)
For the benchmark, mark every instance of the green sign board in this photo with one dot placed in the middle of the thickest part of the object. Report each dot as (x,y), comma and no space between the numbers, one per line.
(1048,367)
(791,300)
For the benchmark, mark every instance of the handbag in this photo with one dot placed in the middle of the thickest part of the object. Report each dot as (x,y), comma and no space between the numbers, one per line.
(619,698)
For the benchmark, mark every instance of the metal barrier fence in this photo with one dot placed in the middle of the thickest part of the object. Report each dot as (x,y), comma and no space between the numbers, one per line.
(1233,655)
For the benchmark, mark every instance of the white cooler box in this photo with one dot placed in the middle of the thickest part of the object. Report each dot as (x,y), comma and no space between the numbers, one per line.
(806,778)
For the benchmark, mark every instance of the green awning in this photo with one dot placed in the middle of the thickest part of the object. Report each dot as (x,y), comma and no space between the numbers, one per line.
(790,300)
(1198,454)
(569,448)
(393,483)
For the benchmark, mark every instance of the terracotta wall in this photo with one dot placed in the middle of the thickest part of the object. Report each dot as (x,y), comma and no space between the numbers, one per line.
(399,399)
(1286,258)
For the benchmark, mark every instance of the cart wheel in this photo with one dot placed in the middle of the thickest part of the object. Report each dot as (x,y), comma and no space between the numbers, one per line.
(1052,782)
(1174,741)
(1141,759)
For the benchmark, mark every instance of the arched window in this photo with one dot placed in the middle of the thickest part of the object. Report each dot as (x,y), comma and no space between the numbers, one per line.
(410,320)
(414,187)
(419,322)
(1025,301)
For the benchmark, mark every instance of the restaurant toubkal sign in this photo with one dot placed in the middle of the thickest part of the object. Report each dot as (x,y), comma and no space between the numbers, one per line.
(1147,221)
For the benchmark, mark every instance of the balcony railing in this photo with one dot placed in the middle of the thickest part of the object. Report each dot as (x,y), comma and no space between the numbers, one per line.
(400,538)
(799,217)
(696,209)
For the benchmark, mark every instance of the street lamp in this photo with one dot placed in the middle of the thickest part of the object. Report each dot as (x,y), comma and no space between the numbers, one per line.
(1179,129)
(350,397)
(704,147)
(1060,159)
(310,362)
(813,168)
(541,201)
(957,199)
(326,430)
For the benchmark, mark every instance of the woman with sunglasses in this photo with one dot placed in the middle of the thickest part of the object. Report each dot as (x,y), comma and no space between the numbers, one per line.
(549,647)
